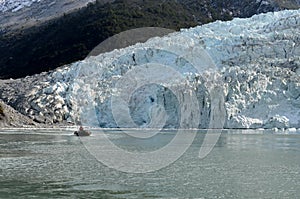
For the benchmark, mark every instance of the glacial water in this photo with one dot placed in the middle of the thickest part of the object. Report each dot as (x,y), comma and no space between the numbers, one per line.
(56,164)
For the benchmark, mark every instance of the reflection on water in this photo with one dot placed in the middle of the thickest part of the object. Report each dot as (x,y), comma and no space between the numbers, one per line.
(57,165)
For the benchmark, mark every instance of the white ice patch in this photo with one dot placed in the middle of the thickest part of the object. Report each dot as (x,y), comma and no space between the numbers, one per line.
(15,5)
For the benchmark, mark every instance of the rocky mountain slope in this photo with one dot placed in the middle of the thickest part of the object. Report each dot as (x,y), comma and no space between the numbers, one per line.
(11,118)
(15,14)
(257,66)
(48,34)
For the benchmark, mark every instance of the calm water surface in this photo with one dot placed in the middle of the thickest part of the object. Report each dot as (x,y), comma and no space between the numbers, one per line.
(55,164)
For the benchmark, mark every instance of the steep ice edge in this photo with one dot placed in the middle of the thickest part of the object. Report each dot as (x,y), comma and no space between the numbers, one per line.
(258,64)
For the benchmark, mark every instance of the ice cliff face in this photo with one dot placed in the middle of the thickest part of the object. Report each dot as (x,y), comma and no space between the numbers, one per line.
(257,65)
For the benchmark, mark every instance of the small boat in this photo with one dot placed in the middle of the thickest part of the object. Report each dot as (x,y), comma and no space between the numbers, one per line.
(82,132)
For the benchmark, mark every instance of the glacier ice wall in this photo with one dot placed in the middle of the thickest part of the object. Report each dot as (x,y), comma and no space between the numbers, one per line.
(257,61)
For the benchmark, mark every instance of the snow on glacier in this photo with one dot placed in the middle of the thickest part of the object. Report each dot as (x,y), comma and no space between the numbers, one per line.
(257,60)
(15,5)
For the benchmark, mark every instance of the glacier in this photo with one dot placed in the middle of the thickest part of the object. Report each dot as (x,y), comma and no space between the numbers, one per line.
(15,5)
(256,69)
